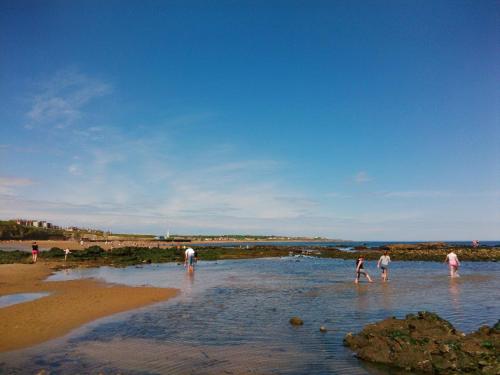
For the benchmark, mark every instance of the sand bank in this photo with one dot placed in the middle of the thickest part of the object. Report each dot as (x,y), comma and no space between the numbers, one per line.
(70,304)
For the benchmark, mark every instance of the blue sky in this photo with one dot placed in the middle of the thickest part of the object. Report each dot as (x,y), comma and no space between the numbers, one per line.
(369,120)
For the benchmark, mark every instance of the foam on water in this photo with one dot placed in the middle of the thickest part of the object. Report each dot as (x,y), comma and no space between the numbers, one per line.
(232,317)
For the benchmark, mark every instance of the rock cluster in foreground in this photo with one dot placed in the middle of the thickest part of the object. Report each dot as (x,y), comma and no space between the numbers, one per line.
(427,343)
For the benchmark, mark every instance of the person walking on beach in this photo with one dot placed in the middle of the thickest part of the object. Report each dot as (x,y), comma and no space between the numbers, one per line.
(383,264)
(34,252)
(453,263)
(189,259)
(360,270)
(66,252)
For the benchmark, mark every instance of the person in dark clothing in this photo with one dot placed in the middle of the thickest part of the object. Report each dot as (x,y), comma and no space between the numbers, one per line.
(360,270)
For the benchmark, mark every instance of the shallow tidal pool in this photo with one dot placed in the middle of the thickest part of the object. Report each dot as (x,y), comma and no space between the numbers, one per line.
(13,299)
(232,317)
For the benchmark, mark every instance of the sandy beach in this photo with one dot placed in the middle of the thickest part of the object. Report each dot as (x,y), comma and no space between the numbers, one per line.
(69,305)
(25,245)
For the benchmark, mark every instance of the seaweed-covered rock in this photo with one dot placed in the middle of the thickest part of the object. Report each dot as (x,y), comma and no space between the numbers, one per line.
(296,321)
(425,342)
(54,252)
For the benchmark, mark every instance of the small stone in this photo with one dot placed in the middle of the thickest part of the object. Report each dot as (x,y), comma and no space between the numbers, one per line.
(296,321)
(323,329)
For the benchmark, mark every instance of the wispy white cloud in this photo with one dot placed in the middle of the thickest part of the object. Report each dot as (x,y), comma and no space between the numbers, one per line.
(334,194)
(141,178)
(75,170)
(244,166)
(362,177)
(436,194)
(61,100)
(415,194)
(9,185)
(221,190)
(198,216)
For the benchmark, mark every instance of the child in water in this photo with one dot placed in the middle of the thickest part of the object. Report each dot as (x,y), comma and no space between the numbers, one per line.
(360,270)
(383,264)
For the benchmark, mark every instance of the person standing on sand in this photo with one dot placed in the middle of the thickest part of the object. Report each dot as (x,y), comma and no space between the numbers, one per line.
(360,270)
(383,264)
(453,263)
(189,259)
(34,252)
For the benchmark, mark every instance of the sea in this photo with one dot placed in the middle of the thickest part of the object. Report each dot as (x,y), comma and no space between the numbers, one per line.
(232,317)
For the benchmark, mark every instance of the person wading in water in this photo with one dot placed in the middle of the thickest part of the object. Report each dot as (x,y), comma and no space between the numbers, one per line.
(383,264)
(360,270)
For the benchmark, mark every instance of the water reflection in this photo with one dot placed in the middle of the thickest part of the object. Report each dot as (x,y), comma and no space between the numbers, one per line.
(362,294)
(454,288)
(386,294)
(188,283)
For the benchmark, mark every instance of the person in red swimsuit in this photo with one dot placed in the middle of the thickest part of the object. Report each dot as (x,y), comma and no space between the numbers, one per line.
(34,251)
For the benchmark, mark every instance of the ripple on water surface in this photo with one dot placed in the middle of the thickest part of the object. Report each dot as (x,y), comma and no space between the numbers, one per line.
(232,317)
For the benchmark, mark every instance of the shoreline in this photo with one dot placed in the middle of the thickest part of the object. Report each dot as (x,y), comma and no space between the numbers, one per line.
(25,245)
(69,305)
(96,256)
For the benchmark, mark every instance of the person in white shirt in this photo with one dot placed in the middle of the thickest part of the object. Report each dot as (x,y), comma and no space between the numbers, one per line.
(453,263)
(383,264)
(66,252)
(189,259)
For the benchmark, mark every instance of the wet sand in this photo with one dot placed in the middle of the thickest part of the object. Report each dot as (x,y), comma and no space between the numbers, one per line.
(70,304)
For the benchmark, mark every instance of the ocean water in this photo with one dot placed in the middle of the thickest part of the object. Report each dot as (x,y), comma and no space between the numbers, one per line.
(231,317)
(343,244)
(13,299)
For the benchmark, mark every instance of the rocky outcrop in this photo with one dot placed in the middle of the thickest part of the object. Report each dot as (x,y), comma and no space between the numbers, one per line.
(416,246)
(296,321)
(425,342)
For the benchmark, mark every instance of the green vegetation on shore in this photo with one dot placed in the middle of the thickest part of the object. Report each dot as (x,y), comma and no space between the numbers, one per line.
(10,230)
(125,256)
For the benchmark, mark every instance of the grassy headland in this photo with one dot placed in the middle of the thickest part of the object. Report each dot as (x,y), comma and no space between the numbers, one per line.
(10,230)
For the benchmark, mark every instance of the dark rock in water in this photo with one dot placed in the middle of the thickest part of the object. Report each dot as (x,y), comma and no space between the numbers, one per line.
(360,248)
(323,329)
(427,343)
(296,321)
